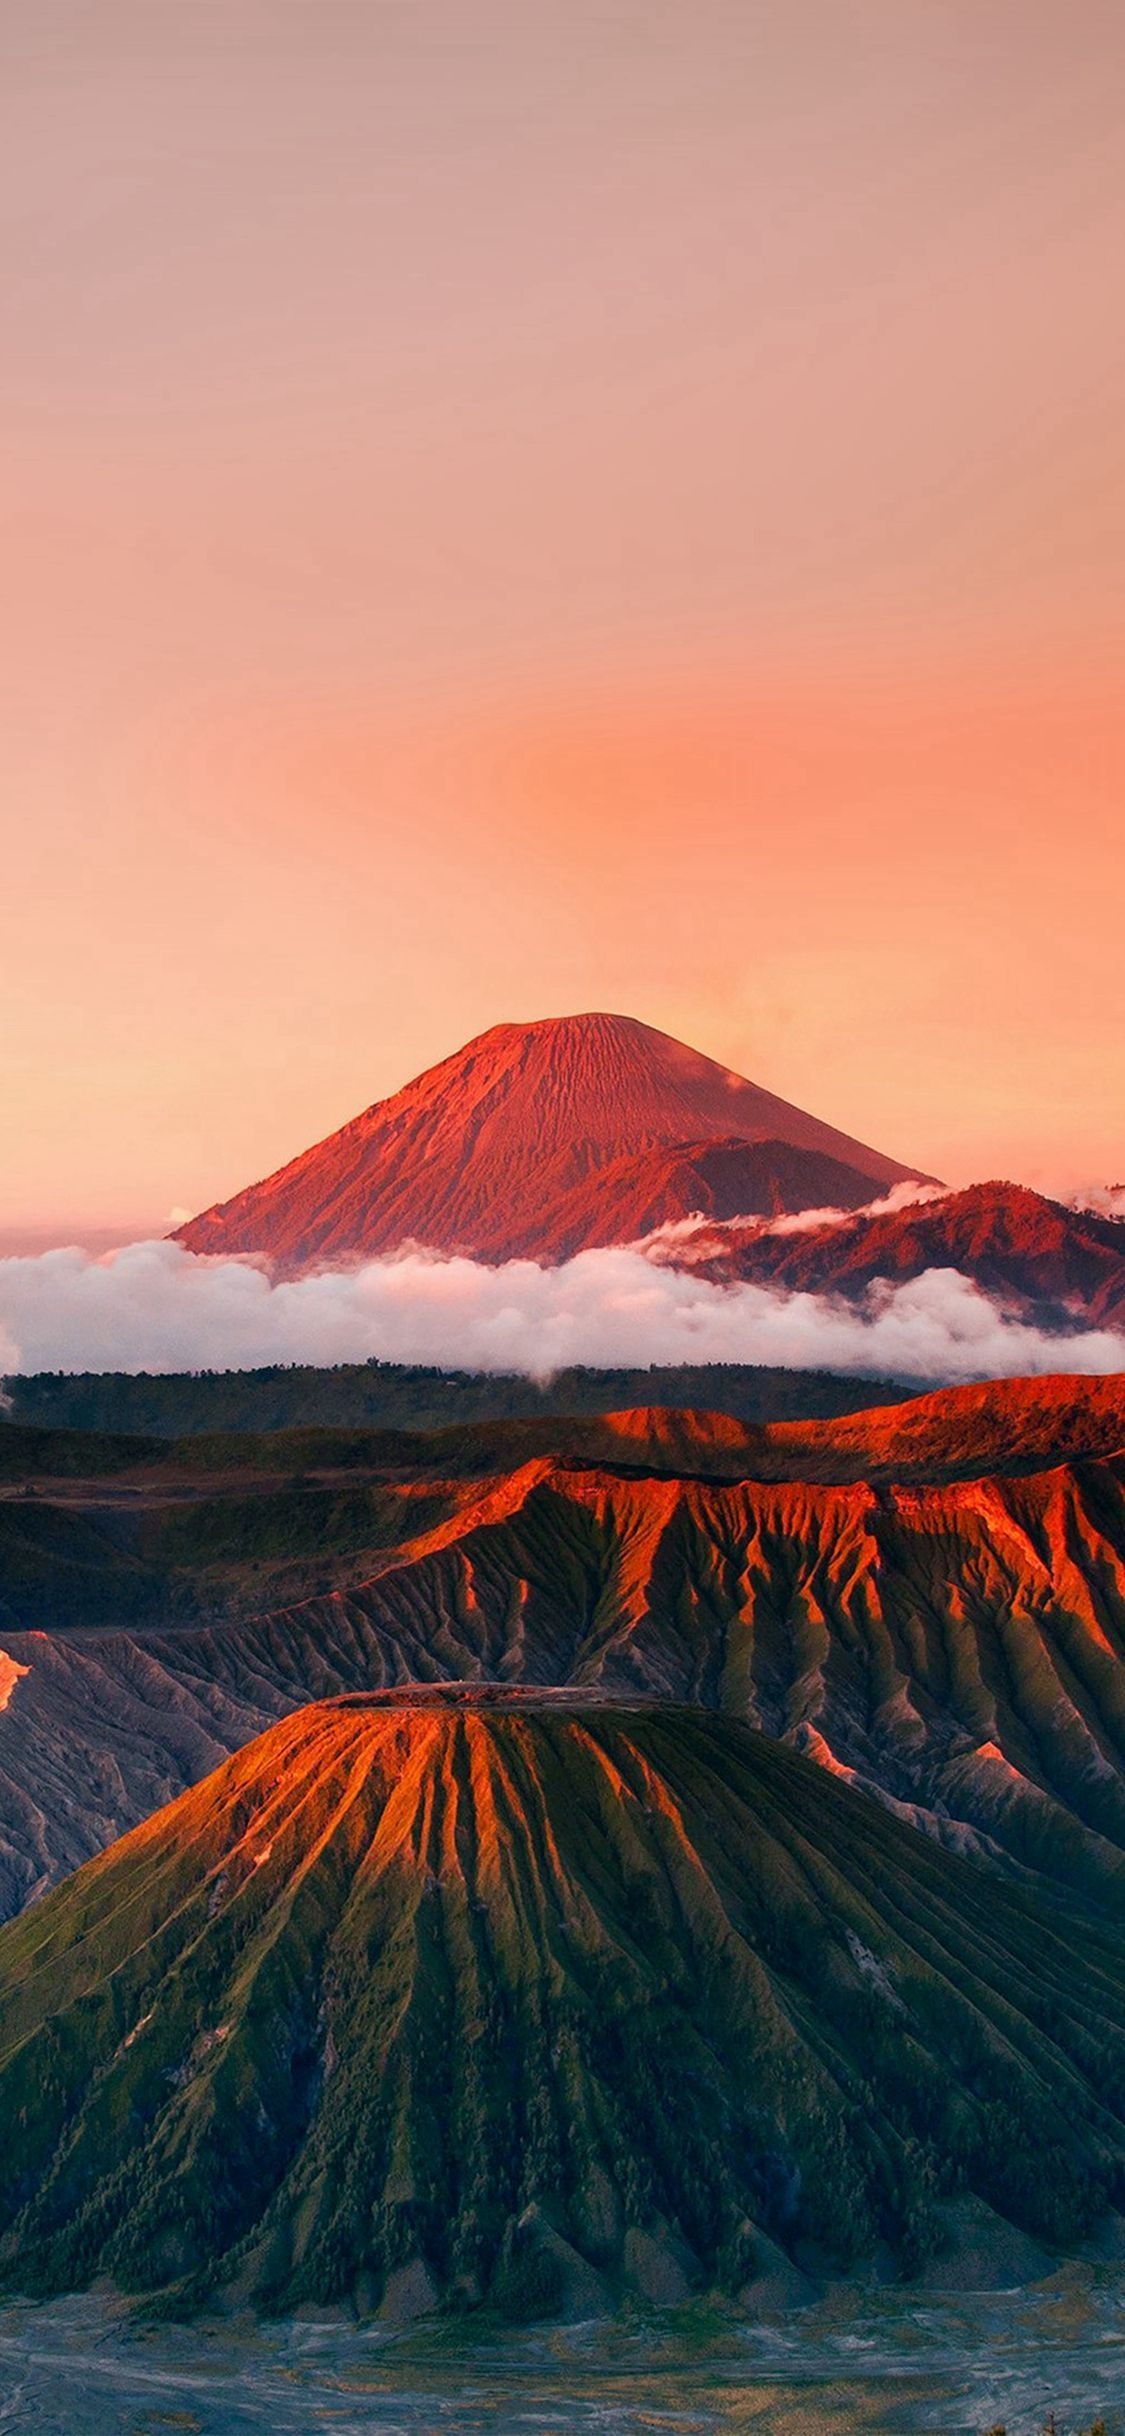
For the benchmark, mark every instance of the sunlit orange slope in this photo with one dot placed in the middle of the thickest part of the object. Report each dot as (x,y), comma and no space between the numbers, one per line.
(992,1426)
(500,1151)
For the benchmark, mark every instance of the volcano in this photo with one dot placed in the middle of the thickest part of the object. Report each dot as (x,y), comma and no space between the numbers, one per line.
(541,1139)
(485,1995)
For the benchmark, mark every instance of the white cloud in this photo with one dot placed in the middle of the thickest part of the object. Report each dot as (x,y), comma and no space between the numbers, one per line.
(155,1306)
(677,1233)
(904,1196)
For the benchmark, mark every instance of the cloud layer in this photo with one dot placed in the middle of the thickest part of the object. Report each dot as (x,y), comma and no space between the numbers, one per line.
(687,1239)
(157,1307)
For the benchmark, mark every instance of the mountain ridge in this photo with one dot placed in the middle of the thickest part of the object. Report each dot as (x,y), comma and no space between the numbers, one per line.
(1018,1424)
(1045,1262)
(929,1598)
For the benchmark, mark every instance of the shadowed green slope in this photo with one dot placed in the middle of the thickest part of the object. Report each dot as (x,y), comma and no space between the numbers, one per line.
(526,1996)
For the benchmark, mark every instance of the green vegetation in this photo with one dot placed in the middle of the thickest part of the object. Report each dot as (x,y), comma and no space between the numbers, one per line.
(387,1395)
(495,1992)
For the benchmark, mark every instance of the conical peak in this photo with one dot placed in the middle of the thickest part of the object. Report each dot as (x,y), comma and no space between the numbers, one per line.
(502,1151)
(597,1032)
(596,1041)
(375,1736)
(593,1024)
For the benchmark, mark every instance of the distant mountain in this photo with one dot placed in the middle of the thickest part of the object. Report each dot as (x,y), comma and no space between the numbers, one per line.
(544,1140)
(929,1597)
(537,1140)
(1059,1266)
(470,1997)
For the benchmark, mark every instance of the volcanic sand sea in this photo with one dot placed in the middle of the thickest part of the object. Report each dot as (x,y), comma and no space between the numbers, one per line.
(858,2364)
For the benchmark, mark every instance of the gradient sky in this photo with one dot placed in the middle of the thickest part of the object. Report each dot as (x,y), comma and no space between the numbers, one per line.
(512,509)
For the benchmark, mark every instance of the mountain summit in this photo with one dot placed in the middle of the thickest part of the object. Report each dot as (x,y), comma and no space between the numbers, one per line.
(537,1140)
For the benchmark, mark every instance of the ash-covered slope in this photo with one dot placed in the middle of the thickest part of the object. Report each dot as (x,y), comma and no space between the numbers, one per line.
(461,1998)
(993,1426)
(498,1152)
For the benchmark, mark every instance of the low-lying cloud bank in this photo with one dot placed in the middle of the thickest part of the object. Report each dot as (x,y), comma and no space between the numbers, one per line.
(157,1307)
(676,1237)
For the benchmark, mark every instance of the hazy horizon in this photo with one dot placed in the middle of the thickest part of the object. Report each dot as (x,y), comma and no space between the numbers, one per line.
(517,511)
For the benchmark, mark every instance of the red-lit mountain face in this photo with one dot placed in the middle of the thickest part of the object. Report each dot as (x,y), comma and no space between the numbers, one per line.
(648,1189)
(1047,1262)
(539,1140)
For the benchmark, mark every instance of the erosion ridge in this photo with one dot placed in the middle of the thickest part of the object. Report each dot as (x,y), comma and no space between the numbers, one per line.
(959,1649)
(955,1644)
(475,1998)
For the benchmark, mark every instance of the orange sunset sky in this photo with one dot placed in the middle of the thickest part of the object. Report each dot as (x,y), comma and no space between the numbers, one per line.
(512,509)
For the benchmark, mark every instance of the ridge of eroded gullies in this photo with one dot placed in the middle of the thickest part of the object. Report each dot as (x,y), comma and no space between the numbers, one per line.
(958,1647)
(530,1999)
